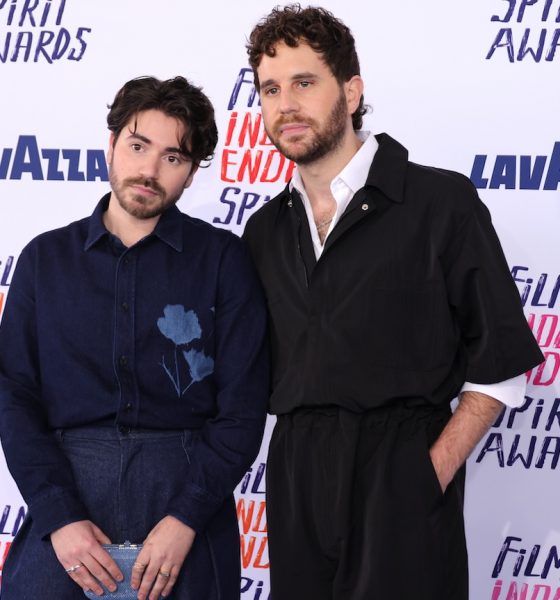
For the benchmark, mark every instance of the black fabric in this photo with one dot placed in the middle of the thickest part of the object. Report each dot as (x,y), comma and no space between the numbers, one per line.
(355,510)
(411,297)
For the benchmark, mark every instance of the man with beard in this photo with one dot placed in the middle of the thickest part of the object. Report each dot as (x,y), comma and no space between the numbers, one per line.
(133,373)
(388,295)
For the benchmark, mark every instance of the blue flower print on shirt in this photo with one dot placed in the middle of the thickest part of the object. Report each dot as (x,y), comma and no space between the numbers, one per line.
(183,328)
(200,365)
(179,326)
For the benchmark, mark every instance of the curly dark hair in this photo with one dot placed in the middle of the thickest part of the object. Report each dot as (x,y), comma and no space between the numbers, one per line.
(314,26)
(177,98)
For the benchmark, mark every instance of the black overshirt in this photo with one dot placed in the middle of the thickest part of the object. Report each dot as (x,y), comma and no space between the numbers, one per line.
(411,297)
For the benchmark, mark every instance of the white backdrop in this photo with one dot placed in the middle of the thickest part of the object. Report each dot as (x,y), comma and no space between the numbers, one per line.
(468,86)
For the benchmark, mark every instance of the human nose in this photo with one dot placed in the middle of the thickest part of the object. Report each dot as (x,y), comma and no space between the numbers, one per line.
(150,165)
(288,102)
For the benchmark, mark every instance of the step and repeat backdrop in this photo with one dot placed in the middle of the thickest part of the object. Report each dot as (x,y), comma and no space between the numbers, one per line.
(473,87)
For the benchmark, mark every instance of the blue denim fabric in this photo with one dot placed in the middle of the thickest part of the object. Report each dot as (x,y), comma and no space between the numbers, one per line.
(167,334)
(125,555)
(125,479)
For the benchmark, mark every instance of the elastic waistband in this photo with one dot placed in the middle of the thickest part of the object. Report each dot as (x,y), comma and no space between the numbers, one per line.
(395,413)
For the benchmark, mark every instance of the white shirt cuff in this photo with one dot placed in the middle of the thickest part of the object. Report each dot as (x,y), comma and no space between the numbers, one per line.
(510,392)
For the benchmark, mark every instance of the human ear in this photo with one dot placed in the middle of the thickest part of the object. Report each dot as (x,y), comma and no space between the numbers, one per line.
(112,141)
(354,89)
(194,169)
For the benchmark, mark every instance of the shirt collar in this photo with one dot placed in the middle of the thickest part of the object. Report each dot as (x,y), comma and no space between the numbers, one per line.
(387,172)
(169,228)
(353,176)
(97,229)
(389,167)
(343,187)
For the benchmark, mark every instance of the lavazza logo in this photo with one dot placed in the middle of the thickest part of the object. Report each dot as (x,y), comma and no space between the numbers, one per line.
(40,31)
(27,158)
(517,172)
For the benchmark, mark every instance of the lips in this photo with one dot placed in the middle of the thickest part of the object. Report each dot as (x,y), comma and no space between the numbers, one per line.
(292,125)
(293,128)
(145,191)
(144,187)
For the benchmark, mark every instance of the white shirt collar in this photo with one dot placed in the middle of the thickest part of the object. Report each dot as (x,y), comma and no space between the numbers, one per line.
(343,187)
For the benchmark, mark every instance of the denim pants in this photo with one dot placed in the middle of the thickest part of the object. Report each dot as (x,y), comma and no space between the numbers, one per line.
(125,479)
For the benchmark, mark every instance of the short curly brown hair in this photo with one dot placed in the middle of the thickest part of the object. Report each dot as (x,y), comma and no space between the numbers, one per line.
(177,98)
(314,26)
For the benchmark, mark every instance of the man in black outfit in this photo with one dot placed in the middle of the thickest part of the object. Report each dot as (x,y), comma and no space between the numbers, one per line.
(389,295)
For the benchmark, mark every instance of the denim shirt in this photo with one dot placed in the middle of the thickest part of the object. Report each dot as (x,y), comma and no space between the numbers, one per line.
(167,334)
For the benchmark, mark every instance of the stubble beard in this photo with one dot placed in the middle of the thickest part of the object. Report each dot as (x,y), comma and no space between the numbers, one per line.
(137,205)
(325,140)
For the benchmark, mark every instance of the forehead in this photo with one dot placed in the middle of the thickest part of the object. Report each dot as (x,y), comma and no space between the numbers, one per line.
(289,61)
(157,127)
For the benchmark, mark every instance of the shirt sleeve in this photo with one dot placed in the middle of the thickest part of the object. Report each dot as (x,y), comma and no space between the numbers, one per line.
(497,341)
(510,392)
(40,470)
(229,442)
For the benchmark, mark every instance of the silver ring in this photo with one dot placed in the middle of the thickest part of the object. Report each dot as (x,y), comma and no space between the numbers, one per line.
(74,568)
(165,574)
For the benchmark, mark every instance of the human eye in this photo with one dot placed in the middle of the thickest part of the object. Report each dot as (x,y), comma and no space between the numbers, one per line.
(305,83)
(136,147)
(271,91)
(174,159)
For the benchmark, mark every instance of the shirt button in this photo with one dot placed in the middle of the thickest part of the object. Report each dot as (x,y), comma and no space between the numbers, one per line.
(365,206)
(123,360)
(123,429)
(124,306)
(128,406)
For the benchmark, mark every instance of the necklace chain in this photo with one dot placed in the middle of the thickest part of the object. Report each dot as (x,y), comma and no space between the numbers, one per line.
(324,223)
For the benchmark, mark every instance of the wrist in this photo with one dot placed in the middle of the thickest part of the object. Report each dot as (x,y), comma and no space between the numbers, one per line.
(444,469)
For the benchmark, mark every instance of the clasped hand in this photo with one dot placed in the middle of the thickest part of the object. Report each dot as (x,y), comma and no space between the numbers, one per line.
(78,548)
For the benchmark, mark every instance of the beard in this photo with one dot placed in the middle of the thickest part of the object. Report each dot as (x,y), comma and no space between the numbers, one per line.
(137,205)
(325,139)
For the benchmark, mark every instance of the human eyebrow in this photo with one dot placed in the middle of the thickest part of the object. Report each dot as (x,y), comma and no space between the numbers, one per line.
(295,77)
(268,83)
(168,150)
(173,150)
(305,75)
(138,136)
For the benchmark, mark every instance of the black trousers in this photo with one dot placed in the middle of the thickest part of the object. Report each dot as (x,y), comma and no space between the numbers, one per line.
(355,510)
